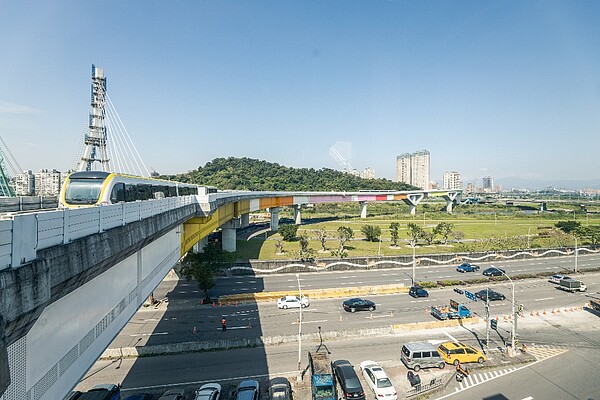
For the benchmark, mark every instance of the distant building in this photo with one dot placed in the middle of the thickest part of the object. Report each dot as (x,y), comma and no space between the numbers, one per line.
(451,180)
(414,169)
(367,173)
(488,184)
(47,182)
(471,187)
(25,184)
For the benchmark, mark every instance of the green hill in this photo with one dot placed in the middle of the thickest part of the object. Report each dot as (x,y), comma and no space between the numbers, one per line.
(249,174)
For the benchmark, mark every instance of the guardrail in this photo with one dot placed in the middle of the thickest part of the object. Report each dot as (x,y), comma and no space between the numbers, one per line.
(22,235)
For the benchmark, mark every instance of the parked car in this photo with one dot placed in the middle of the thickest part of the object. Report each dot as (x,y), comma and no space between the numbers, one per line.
(247,390)
(293,302)
(208,391)
(493,271)
(173,394)
(556,278)
(491,294)
(101,392)
(348,380)
(417,291)
(280,389)
(456,352)
(466,267)
(378,381)
(357,304)
(417,355)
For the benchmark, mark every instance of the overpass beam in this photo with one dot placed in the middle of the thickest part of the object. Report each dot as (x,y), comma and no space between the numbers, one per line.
(228,235)
(450,198)
(412,200)
(274,218)
(298,214)
(363,209)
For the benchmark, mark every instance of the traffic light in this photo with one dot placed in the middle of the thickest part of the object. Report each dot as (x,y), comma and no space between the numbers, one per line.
(494,324)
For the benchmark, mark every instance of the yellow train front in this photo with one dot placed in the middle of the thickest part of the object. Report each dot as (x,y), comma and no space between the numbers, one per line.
(90,188)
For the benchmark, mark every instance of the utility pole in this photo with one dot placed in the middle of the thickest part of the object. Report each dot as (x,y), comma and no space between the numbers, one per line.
(487,325)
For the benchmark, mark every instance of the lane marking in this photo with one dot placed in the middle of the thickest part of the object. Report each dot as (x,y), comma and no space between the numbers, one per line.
(150,334)
(547,298)
(450,336)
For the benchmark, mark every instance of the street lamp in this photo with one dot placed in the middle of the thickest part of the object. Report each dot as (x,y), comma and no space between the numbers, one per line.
(512,334)
(575,237)
(379,248)
(414,264)
(299,377)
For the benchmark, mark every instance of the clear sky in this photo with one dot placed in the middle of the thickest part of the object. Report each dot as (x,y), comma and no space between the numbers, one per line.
(501,88)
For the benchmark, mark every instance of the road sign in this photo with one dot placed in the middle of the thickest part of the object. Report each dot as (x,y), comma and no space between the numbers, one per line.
(470,295)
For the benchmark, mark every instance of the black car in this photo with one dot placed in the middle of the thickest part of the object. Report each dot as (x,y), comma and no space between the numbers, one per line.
(280,389)
(348,380)
(417,291)
(357,304)
(493,271)
(491,294)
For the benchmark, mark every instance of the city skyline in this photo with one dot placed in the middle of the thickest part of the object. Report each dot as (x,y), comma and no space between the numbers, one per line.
(502,89)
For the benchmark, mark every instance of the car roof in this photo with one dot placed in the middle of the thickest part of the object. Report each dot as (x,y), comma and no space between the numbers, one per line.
(250,383)
(279,381)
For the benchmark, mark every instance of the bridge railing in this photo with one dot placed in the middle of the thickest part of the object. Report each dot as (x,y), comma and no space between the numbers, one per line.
(22,235)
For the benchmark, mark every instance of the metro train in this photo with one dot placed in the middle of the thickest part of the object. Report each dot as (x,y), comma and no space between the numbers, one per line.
(89,188)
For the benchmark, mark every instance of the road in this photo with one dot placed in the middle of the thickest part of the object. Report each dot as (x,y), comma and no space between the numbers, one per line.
(184,319)
(576,332)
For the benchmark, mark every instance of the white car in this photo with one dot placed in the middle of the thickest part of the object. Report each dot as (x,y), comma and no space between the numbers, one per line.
(378,381)
(292,302)
(209,391)
(556,278)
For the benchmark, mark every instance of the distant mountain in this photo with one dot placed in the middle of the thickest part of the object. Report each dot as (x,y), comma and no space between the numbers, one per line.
(249,174)
(533,184)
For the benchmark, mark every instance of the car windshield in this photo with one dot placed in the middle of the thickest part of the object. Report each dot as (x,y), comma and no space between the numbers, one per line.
(83,191)
(353,383)
(279,393)
(383,383)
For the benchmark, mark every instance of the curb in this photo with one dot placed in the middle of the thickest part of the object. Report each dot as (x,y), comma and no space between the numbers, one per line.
(214,345)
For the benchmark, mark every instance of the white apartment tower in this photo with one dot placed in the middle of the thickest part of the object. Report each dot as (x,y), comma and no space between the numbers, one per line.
(414,169)
(47,182)
(25,184)
(451,180)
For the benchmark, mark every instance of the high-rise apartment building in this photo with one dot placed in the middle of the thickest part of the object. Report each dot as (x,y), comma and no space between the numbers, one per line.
(367,173)
(25,184)
(413,169)
(451,180)
(488,184)
(47,182)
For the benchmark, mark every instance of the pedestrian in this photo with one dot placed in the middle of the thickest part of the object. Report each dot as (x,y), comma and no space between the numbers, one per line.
(223,324)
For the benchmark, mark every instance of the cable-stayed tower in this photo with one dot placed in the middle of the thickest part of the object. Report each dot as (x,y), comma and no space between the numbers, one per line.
(95,139)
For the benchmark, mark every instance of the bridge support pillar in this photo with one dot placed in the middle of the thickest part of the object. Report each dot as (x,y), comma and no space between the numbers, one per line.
(199,247)
(298,214)
(363,209)
(244,220)
(228,235)
(451,199)
(412,200)
(274,218)
(4,367)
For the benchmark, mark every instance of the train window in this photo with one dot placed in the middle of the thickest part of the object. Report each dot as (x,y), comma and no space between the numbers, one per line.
(83,191)
(117,193)
(130,193)
(143,192)
(172,191)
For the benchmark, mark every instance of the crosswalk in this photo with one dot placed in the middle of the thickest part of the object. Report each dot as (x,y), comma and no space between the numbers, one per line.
(540,352)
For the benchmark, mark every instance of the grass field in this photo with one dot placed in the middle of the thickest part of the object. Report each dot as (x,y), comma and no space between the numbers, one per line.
(500,228)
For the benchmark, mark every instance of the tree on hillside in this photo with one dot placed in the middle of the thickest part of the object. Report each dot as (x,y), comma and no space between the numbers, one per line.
(592,233)
(372,233)
(415,232)
(288,232)
(202,266)
(278,247)
(444,229)
(394,226)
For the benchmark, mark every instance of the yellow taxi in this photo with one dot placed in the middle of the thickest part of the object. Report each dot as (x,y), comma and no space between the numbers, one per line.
(455,353)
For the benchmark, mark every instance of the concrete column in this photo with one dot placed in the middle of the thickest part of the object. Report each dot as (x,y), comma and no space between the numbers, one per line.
(244,220)
(298,214)
(451,198)
(413,209)
(363,209)
(274,218)
(449,206)
(201,244)
(412,200)
(228,235)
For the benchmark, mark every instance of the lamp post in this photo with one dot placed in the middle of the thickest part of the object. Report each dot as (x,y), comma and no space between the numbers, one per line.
(512,333)
(528,236)
(379,247)
(414,264)
(299,377)
(575,237)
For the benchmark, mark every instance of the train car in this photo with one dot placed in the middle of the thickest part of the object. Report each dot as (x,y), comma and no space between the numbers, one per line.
(89,188)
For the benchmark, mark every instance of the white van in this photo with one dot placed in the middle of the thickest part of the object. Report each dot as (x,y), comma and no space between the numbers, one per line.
(417,355)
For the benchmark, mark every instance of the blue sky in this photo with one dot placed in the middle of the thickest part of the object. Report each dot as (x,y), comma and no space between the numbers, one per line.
(501,88)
